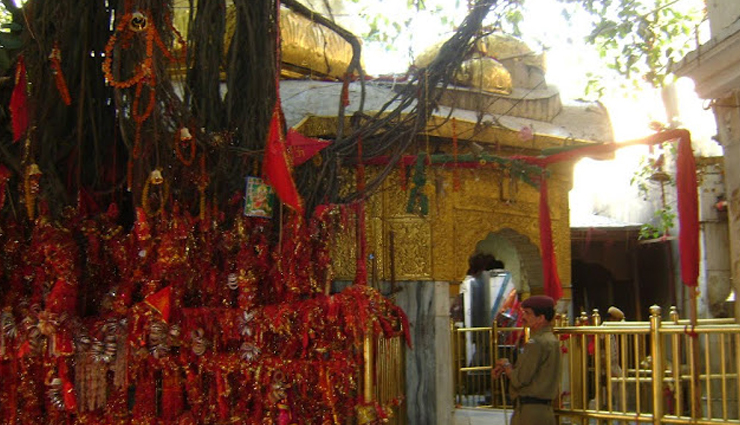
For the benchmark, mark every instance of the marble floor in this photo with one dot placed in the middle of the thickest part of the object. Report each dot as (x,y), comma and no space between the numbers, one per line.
(474,416)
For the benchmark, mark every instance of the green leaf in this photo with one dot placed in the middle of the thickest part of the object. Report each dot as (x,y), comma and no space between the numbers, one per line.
(10,41)
(12,26)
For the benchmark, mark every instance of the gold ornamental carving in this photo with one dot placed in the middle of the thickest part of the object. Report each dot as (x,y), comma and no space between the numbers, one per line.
(437,246)
(412,248)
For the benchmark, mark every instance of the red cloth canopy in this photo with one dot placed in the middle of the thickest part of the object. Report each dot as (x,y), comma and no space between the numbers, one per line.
(688,216)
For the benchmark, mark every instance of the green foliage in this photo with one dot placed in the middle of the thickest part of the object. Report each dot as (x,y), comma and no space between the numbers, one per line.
(635,39)
(10,38)
(648,177)
(664,219)
(640,39)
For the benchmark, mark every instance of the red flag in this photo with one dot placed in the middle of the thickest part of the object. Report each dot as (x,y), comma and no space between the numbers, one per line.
(276,168)
(303,148)
(552,284)
(161,301)
(688,212)
(19,101)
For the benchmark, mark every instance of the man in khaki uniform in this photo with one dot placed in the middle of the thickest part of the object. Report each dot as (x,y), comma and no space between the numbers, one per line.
(534,380)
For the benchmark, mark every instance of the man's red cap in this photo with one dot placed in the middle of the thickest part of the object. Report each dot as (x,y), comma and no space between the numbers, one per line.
(538,302)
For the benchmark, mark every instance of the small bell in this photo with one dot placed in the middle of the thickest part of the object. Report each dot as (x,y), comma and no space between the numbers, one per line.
(138,22)
(156,177)
(185,134)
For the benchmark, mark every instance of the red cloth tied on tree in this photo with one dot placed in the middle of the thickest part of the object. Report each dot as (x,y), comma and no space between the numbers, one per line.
(68,389)
(276,167)
(161,301)
(4,177)
(303,148)
(19,101)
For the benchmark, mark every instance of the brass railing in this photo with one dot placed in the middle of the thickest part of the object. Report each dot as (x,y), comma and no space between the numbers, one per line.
(388,376)
(660,372)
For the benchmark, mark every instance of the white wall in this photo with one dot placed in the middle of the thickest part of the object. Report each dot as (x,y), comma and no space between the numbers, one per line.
(722,13)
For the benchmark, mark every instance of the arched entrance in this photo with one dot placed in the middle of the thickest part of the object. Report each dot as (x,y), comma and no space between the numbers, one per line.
(520,256)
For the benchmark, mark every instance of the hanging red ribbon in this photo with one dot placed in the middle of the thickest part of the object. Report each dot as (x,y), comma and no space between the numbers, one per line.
(277,168)
(361,268)
(688,213)
(552,285)
(686,187)
(56,68)
(455,171)
(19,101)
(303,148)
(345,90)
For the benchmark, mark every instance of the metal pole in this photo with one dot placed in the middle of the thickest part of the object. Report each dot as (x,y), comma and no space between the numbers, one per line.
(656,352)
(695,366)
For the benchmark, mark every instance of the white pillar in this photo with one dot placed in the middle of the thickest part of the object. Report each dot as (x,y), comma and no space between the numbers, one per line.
(728,127)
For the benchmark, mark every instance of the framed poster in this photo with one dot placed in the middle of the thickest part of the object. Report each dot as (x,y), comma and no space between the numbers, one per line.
(259,198)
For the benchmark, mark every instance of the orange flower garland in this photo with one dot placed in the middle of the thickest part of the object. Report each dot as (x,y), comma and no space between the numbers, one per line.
(133,23)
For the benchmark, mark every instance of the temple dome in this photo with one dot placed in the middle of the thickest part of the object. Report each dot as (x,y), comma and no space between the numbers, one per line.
(525,67)
(308,48)
(484,73)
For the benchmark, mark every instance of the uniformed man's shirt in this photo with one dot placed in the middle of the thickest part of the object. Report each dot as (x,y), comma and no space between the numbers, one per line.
(537,370)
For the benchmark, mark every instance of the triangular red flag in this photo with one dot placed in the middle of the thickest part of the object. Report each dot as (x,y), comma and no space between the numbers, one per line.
(303,148)
(161,301)
(276,168)
(19,101)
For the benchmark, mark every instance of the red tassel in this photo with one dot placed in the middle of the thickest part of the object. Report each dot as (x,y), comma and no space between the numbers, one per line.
(19,101)
(172,400)
(222,395)
(56,66)
(283,415)
(345,90)
(68,389)
(360,167)
(361,266)
(455,171)
(145,408)
(4,177)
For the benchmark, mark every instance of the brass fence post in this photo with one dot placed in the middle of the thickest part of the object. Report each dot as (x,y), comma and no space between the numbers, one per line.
(656,351)
(366,413)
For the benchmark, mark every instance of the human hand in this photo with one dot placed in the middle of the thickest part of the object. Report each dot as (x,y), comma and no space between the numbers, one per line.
(502,366)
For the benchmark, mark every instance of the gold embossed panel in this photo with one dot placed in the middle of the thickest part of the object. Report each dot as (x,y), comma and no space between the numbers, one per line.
(412,249)
(437,246)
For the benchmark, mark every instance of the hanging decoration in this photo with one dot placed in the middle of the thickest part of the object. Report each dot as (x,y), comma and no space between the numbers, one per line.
(31,189)
(259,198)
(418,200)
(157,180)
(277,169)
(455,171)
(303,148)
(551,279)
(184,139)
(55,57)
(361,236)
(19,101)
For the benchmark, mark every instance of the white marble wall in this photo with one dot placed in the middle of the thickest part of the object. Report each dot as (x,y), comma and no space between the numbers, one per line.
(429,363)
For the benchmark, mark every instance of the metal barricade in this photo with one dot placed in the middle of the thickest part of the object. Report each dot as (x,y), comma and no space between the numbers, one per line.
(659,372)
(390,374)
